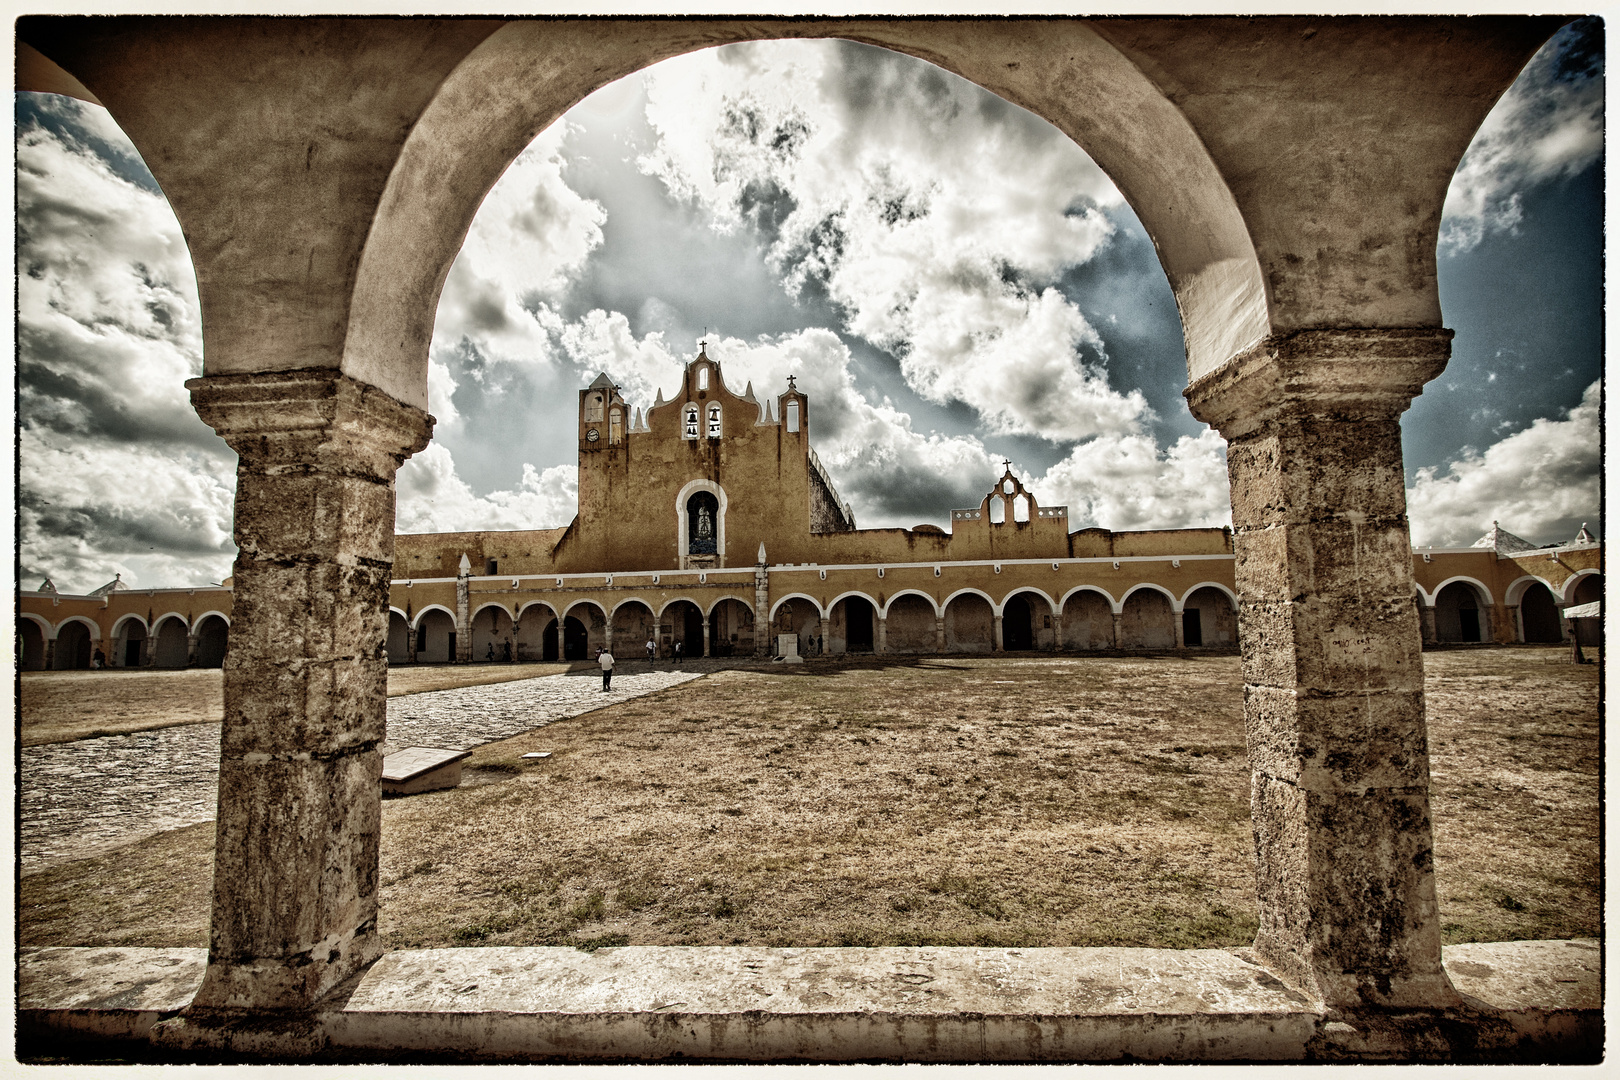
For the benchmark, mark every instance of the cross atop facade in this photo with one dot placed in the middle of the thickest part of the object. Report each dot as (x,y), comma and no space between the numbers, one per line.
(1006,464)
(791,387)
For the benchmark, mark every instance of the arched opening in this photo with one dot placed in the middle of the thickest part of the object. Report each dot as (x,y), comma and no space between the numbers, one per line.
(1588,590)
(731,629)
(595,624)
(213,635)
(130,641)
(399,638)
(536,634)
(1018,624)
(909,626)
(1460,614)
(492,636)
(853,626)
(72,647)
(30,646)
(576,641)
(702,524)
(1538,616)
(171,647)
(997,510)
(1021,508)
(969,624)
(435,638)
(1208,619)
(1088,621)
(1147,621)
(798,617)
(682,624)
(634,625)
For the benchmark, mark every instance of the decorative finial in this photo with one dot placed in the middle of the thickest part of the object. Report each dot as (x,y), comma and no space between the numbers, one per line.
(791,387)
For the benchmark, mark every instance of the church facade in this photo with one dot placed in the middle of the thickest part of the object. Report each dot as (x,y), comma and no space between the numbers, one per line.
(708,522)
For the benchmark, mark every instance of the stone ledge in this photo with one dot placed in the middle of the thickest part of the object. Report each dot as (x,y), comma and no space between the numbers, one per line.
(897,1004)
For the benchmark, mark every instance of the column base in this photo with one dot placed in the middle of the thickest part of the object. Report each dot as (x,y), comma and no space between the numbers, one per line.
(279,1037)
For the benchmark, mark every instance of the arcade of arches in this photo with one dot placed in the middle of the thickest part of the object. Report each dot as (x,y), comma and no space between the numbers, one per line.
(1290,173)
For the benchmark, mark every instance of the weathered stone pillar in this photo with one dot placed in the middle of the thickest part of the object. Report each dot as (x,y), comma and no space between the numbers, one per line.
(1513,624)
(1119,629)
(705,635)
(463,651)
(410,640)
(882,634)
(146,651)
(1057,632)
(762,607)
(995,635)
(939,633)
(1332,661)
(191,648)
(1179,627)
(50,651)
(295,863)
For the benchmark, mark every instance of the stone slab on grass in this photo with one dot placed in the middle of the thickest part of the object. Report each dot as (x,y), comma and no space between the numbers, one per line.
(422,768)
(111,992)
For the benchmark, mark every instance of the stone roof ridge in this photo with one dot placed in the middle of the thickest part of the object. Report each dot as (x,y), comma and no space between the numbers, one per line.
(1584,536)
(832,489)
(602,380)
(115,585)
(46,586)
(1503,542)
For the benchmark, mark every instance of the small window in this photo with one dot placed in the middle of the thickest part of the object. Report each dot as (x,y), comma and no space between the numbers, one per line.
(792,415)
(489,566)
(1021,508)
(998,511)
(593,408)
(615,427)
(691,423)
(714,421)
(703,378)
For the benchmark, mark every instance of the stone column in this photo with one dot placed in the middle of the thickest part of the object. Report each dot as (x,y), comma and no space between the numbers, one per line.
(607,633)
(705,635)
(191,648)
(295,863)
(939,633)
(1332,658)
(463,650)
(882,634)
(822,625)
(146,651)
(1119,629)
(410,640)
(50,651)
(1513,624)
(762,607)
(995,634)
(1179,627)
(1057,632)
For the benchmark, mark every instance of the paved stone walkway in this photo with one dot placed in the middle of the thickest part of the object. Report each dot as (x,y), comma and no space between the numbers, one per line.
(83,798)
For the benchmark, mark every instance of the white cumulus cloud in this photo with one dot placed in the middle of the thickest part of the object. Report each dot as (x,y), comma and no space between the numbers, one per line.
(433,498)
(1125,482)
(1540,483)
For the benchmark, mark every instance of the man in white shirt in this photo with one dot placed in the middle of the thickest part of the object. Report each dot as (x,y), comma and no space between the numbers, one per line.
(606,660)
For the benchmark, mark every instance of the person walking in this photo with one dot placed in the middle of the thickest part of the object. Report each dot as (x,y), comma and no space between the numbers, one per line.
(677,653)
(605,658)
(652,651)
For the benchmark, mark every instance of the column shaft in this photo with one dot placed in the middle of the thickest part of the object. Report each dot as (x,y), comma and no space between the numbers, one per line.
(1119,629)
(1332,660)
(295,862)
(882,634)
(939,634)
(996,639)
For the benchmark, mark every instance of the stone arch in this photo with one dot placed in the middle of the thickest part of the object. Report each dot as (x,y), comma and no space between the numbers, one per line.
(32,634)
(398,644)
(970,622)
(1539,621)
(1484,592)
(731,627)
(851,622)
(538,632)
(1514,593)
(74,644)
(1576,583)
(933,605)
(633,624)
(1462,611)
(422,612)
(171,645)
(683,525)
(1209,616)
(490,629)
(1088,618)
(1175,601)
(1027,618)
(813,602)
(592,618)
(723,597)
(212,632)
(681,621)
(995,608)
(909,624)
(1147,618)
(487,110)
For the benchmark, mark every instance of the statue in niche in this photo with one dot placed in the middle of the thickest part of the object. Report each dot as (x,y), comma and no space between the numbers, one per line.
(703,513)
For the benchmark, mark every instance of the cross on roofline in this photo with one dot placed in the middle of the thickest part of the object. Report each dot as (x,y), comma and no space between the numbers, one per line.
(791,387)
(1007,463)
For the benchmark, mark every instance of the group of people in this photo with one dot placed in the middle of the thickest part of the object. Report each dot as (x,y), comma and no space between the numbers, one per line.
(604,658)
(506,651)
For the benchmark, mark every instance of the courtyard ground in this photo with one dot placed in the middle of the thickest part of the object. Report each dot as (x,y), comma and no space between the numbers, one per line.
(1009,801)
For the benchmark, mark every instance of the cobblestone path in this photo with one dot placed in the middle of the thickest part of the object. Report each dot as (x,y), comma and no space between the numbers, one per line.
(82,798)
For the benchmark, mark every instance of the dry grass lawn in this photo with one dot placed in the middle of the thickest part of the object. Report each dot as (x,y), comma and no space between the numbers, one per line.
(1024,801)
(64,706)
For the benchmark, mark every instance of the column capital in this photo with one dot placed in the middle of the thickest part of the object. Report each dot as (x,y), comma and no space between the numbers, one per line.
(311,416)
(1345,374)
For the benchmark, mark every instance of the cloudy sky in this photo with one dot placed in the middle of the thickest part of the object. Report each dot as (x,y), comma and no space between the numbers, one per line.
(952,280)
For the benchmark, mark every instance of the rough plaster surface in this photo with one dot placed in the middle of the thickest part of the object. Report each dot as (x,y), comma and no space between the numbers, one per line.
(961,1004)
